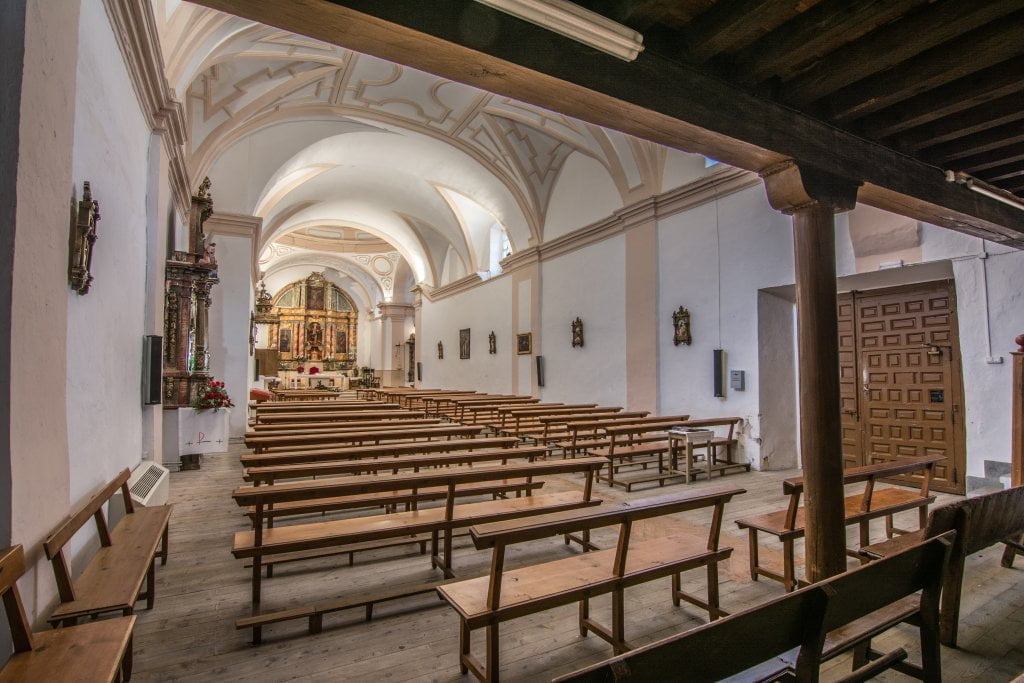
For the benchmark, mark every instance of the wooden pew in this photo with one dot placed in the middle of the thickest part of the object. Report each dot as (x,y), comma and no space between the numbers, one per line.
(263,444)
(386,450)
(527,421)
(112,581)
(439,522)
(584,431)
(97,651)
(507,594)
(274,420)
(788,525)
(642,439)
(979,522)
(795,633)
(351,426)
(476,410)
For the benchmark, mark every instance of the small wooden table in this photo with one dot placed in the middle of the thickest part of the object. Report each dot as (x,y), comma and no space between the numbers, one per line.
(686,440)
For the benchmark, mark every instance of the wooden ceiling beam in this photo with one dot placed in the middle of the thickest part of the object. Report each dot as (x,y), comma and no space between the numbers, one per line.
(651,98)
(991,140)
(1002,171)
(731,24)
(989,45)
(960,95)
(891,44)
(813,34)
(989,115)
(982,162)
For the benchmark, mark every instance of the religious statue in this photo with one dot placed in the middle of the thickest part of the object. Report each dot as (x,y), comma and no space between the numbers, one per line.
(577,332)
(209,258)
(492,343)
(314,341)
(681,325)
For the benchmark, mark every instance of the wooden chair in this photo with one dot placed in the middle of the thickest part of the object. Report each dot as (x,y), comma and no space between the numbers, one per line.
(980,522)
(101,650)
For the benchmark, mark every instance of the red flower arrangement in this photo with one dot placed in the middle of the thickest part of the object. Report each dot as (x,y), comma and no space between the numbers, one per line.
(300,369)
(313,370)
(212,397)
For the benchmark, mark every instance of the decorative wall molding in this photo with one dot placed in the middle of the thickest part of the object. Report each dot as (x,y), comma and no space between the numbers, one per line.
(452,288)
(239,225)
(135,29)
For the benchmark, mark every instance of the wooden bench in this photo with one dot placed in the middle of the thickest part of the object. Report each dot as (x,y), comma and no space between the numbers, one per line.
(97,651)
(475,411)
(438,522)
(794,634)
(788,525)
(385,450)
(112,581)
(503,595)
(643,439)
(263,444)
(335,427)
(584,431)
(979,522)
(533,422)
(274,420)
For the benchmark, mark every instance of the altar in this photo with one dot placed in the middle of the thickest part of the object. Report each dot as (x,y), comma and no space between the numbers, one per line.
(333,380)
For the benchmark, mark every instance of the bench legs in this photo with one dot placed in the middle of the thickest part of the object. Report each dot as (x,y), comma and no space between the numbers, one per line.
(788,576)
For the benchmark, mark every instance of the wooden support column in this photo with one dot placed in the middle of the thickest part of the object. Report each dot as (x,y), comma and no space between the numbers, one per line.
(812,198)
(1017,447)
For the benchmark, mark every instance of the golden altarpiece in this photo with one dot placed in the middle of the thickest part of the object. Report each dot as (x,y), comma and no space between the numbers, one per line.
(311,322)
(189,277)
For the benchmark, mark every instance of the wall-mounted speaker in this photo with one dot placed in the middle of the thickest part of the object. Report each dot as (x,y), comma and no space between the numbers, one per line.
(719,366)
(540,371)
(152,368)
(419,371)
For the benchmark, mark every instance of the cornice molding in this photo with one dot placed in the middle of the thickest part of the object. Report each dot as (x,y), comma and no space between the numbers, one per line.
(135,29)
(226,223)
(457,287)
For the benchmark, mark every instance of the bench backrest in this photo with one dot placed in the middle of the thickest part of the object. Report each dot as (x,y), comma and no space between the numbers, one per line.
(710,422)
(12,566)
(729,646)
(882,470)
(655,423)
(379,450)
(981,521)
(743,640)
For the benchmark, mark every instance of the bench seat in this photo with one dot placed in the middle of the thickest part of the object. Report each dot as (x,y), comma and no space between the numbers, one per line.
(358,529)
(567,580)
(113,578)
(94,651)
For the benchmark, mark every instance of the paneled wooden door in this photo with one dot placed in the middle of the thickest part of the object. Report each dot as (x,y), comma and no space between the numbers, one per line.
(901,388)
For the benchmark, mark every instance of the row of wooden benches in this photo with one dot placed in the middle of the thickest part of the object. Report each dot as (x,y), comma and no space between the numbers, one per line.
(111,582)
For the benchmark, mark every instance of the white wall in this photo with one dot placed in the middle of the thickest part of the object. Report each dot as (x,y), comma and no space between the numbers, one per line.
(756,251)
(588,283)
(106,325)
(583,195)
(482,309)
(229,324)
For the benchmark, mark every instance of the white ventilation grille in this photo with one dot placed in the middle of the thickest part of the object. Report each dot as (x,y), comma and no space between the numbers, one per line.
(150,484)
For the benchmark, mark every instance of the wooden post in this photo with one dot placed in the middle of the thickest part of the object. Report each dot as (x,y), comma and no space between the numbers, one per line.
(812,198)
(1017,443)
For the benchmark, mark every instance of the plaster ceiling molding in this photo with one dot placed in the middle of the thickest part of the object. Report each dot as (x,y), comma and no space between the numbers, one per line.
(539,157)
(285,184)
(437,244)
(264,42)
(565,128)
(635,166)
(191,35)
(232,91)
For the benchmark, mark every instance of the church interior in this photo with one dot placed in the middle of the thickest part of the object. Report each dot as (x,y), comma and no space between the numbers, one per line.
(406,340)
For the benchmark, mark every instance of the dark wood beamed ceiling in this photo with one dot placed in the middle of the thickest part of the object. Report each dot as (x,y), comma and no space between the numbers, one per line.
(890,93)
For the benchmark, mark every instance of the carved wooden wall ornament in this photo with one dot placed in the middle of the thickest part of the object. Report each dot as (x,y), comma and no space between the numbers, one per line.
(577,332)
(681,327)
(440,350)
(492,343)
(84,216)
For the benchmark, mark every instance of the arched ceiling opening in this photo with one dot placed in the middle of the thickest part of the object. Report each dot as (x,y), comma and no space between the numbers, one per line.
(313,137)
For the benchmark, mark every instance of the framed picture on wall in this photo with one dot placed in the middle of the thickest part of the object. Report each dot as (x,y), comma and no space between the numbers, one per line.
(464,343)
(524,343)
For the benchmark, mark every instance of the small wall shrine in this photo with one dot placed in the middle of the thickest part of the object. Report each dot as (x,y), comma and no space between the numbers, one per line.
(190,275)
(310,322)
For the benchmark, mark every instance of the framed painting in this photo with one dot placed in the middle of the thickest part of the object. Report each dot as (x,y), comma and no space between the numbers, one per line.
(464,344)
(524,343)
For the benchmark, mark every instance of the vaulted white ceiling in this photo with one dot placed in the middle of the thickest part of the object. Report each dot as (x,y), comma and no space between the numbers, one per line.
(310,136)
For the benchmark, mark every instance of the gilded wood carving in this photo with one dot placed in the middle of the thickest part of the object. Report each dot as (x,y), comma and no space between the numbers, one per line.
(84,216)
(577,332)
(681,325)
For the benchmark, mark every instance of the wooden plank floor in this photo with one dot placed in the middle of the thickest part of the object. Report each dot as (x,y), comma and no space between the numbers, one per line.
(190,635)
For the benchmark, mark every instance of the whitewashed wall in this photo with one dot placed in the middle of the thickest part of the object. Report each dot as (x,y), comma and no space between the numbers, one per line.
(589,283)
(231,303)
(106,326)
(485,308)
(584,194)
(714,266)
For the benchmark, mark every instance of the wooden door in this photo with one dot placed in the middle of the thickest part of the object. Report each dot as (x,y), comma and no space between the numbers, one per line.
(849,382)
(907,359)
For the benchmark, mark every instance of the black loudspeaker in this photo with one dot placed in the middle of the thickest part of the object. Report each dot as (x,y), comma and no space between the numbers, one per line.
(419,371)
(719,364)
(152,368)
(540,371)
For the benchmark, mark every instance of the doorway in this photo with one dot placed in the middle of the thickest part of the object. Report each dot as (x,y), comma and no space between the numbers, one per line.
(901,386)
